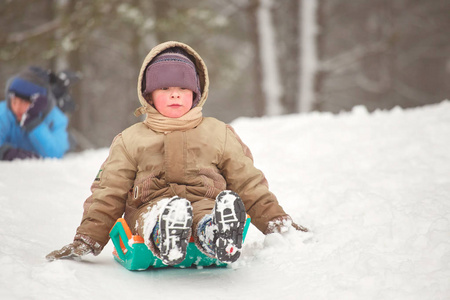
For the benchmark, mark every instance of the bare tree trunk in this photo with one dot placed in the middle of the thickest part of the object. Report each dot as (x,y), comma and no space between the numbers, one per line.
(259,99)
(308,55)
(161,12)
(80,120)
(269,61)
(287,26)
(320,72)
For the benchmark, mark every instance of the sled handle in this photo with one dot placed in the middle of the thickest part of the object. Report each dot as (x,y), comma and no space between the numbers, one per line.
(120,235)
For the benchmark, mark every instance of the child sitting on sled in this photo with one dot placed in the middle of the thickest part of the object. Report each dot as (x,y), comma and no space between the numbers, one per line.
(177,173)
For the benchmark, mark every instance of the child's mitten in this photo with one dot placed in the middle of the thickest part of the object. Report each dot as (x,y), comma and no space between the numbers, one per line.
(282,224)
(73,250)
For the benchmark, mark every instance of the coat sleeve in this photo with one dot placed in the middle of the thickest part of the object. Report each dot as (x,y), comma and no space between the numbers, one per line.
(109,194)
(250,183)
(50,138)
(4,123)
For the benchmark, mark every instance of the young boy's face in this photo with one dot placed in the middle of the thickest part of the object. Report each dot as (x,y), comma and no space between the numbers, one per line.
(172,102)
(19,106)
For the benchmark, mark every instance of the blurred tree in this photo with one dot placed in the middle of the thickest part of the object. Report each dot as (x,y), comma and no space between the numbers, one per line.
(258,99)
(287,25)
(268,49)
(383,53)
(308,57)
(375,52)
(20,37)
(107,40)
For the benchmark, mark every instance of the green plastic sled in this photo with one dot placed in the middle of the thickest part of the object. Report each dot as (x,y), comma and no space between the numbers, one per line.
(131,252)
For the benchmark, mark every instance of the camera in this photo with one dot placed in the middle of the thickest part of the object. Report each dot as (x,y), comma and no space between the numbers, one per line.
(59,86)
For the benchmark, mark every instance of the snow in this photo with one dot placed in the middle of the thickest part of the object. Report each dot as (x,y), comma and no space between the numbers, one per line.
(374,189)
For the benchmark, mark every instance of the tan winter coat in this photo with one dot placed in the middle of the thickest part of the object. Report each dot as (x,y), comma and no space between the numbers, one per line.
(192,157)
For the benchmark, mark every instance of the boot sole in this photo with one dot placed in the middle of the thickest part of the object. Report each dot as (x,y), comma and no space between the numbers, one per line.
(175,224)
(230,217)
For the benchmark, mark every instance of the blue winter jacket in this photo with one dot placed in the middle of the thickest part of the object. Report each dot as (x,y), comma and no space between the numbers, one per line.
(48,139)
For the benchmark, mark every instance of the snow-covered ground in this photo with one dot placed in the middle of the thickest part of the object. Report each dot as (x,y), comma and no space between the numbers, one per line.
(373,188)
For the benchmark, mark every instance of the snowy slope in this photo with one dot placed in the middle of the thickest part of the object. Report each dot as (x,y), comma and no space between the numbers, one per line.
(373,188)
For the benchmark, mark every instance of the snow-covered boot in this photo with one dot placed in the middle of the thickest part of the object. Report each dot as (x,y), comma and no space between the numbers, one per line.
(173,229)
(229,216)
(221,233)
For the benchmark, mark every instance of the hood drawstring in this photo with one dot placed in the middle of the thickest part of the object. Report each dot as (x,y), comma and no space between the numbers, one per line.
(139,111)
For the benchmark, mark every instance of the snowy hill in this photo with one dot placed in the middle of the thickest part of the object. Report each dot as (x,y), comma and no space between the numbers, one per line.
(373,188)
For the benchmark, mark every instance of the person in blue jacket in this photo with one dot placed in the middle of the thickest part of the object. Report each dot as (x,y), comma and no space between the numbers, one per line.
(31,125)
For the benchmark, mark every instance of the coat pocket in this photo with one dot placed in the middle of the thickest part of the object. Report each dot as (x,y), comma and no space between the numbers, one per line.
(212,179)
(213,182)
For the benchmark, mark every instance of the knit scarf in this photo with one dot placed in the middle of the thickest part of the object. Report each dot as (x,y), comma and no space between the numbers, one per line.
(160,123)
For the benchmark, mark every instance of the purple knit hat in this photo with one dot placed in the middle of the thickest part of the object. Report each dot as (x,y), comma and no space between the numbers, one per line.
(172,70)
